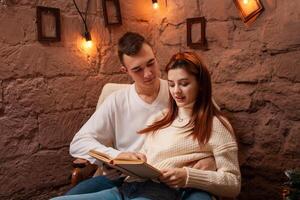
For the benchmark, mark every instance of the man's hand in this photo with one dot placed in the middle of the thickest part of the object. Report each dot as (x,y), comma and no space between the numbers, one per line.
(132,156)
(111,173)
(208,163)
(114,174)
(174,177)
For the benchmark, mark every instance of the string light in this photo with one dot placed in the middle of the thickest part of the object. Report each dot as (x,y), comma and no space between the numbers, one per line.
(245,2)
(88,43)
(155,4)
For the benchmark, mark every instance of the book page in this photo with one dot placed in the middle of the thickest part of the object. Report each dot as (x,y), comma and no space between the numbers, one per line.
(100,156)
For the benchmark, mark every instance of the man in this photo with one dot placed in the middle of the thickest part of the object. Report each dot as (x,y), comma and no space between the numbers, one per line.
(112,128)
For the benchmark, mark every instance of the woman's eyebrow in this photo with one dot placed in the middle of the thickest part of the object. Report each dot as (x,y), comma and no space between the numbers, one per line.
(183,79)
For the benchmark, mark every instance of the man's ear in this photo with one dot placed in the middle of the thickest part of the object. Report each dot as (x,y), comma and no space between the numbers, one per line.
(124,69)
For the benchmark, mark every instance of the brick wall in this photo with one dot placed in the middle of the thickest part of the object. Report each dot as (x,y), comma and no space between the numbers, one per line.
(48,90)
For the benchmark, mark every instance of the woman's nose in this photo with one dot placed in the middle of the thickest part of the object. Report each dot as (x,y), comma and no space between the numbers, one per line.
(177,90)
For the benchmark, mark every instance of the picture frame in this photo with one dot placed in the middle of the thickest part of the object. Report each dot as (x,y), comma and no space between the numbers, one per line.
(112,12)
(48,24)
(248,10)
(202,43)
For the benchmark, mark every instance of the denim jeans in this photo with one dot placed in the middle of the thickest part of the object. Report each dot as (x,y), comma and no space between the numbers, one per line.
(102,188)
(109,194)
(149,190)
(94,184)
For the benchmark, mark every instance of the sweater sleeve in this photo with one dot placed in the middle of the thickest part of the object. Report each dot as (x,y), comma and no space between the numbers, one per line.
(97,133)
(148,139)
(226,181)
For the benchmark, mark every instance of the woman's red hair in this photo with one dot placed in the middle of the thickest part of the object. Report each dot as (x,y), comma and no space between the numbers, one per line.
(204,109)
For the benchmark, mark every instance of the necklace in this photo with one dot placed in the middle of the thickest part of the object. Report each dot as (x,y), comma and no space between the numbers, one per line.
(179,119)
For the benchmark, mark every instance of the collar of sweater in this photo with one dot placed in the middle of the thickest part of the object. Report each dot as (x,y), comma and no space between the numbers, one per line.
(184,115)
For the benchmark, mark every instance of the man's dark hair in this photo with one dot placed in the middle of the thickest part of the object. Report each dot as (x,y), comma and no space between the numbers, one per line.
(130,44)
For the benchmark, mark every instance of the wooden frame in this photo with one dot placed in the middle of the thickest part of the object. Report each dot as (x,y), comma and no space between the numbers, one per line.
(48,24)
(202,44)
(249,10)
(112,12)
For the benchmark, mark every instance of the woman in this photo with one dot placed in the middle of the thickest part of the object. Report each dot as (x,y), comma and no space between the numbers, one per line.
(190,129)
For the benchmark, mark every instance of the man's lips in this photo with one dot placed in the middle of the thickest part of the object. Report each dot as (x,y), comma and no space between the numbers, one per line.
(148,80)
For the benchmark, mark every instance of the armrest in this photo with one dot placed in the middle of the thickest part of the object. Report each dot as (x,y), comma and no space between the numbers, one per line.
(83,169)
(80,163)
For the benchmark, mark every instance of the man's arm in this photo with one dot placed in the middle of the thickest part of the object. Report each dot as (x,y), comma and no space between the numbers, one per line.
(208,163)
(97,133)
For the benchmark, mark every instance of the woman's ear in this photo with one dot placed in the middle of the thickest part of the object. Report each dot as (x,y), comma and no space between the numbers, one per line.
(123,69)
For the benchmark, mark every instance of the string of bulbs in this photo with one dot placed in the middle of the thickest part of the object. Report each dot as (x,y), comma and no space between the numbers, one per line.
(87,34)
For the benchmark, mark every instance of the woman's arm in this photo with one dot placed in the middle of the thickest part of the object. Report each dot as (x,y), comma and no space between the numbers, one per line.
(226,181)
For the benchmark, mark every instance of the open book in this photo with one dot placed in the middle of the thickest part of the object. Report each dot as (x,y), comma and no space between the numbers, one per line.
(137,168)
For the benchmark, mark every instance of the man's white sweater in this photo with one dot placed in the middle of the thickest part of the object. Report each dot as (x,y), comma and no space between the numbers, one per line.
(114,125)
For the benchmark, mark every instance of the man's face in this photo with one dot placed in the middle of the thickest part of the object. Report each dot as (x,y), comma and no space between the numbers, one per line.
(142,67)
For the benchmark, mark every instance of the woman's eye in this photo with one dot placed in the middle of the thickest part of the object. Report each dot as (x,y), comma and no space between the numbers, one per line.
(184,84)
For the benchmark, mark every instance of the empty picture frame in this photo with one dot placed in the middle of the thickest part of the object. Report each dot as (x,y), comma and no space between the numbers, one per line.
(202,42)
(48,24)
(248,8)
(112,12)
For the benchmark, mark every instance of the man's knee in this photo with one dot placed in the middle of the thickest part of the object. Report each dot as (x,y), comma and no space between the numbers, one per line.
(91,185)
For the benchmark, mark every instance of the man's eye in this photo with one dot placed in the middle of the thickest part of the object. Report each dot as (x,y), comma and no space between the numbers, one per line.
(150,64)
(171,85)
(137,70)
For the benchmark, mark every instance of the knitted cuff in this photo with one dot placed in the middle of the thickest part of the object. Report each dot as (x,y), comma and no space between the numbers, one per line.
(196,178)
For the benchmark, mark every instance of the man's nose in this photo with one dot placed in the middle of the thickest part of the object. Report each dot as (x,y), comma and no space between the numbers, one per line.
(147,73)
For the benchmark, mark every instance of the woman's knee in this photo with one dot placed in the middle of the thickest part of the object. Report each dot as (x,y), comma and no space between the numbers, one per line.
(197,195)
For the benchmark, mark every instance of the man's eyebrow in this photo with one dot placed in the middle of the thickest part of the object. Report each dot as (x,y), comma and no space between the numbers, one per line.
(151,60)
(135,68)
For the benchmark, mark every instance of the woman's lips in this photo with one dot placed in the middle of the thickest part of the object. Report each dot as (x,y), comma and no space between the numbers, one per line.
(179,99)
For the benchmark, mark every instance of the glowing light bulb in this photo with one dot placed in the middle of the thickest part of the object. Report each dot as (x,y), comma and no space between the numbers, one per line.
(88,44)
(245,1)
(155,6)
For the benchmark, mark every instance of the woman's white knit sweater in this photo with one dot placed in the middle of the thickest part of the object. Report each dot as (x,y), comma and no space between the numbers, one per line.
(172,147)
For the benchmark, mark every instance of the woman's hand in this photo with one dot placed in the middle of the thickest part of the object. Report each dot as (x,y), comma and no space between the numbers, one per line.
(132,156)
(174,177)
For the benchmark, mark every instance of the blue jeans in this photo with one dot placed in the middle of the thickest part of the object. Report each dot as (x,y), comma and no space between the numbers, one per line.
(109,194)
(100,186)
(94,184)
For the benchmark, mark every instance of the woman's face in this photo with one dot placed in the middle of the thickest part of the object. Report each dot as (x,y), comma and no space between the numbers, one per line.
(183,86)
